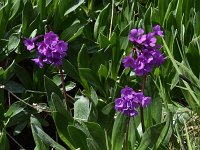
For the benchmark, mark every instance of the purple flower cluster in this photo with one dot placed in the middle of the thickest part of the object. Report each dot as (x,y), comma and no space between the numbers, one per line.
(130,101)
(51,50)
(147,52)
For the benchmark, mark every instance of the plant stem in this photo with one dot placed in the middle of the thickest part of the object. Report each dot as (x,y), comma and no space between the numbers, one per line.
(63,86)
(111,20)
(127,128)
(141,108)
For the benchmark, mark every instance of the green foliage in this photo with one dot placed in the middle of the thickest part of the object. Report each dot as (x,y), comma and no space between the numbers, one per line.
(97,33)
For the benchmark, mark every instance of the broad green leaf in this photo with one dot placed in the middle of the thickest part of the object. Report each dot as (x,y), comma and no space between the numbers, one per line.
(94,96)
(70,32)
(14,87)
(70,86)
(18,129)
(78,137)
(100,23)
(162,7)
(118,132)
(23,76)
(51,87)
(151,136)
(103,72)
(66,7)
(16,9)
(41,7)
(27,16)
(165,134)
(82,108)
(132,134)
(103,41)
(91,144)
(83,57)
(70,70)
(196,24)
(147,19)
(91,77)
(43,137)
(108,108)
(8,73)
(98,136)
(62,118)
(4,18)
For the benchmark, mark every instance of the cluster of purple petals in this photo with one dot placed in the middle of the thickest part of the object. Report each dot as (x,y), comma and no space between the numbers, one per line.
(130,101)
(51,50)
(147,52)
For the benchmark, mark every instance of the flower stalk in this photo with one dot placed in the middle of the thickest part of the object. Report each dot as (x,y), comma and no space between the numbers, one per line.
(63,83)
(141,108)
(66,96)
(127,129)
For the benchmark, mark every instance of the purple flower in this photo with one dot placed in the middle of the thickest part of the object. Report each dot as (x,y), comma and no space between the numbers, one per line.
(148,54)
(38,61)
(137,36)
(128,61)
(158,57)
(62,47)
(157,31)
(150,40)
(50,51)
(51,38)
(30,43)
(130,101)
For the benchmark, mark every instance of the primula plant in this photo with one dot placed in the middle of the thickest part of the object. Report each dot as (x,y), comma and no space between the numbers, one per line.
(99,74)
(147,57)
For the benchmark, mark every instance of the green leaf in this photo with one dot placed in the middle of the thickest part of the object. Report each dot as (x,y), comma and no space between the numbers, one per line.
(132,134)
(103,41)
(38,142)
(70,86)
(108,108)
(66,7)
(14,87)
(91,77)
(100,23)
(69,33)
(4,143)
(98,136)
(4,18)
(82,108)
(18,129)
(91,144)
(51,87)
(8,73)
(14,109)
(27,16)
(78,137)
(151,136)
(62,118)
(45,138)
(196,24)
(71,70)
(16,9)
(147,19)
(83,57)
(41,7)
(94,96)
(118,132)
(165,134)
(23,76)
